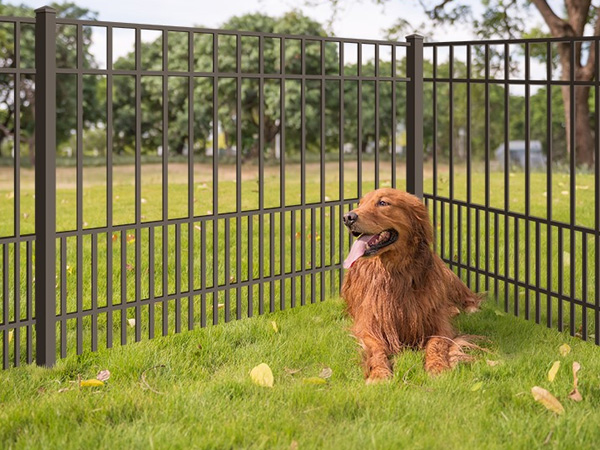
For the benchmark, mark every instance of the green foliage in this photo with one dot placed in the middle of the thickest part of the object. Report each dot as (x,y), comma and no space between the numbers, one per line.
(66,84)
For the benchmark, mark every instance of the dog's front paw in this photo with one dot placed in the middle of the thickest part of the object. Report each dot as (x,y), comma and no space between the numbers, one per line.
(378,376)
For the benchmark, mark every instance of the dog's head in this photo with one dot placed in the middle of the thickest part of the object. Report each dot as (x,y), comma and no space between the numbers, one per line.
(388,220)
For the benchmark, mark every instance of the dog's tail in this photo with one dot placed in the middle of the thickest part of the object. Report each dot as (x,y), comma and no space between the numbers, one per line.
(464,299)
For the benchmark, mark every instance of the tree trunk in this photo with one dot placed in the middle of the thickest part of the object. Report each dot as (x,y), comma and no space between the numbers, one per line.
(584,135)
(573,26)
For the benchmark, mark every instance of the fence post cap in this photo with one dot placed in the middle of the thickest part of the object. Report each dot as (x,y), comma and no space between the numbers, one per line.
(415,36)
(45,9)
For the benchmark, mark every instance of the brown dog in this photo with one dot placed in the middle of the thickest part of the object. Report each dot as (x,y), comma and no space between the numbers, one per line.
(398,291)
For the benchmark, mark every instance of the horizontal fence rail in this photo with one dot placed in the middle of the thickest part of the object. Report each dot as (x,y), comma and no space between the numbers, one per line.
(198,178)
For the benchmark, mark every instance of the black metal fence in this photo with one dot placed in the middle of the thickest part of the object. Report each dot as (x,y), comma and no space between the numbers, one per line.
(522,224)
(201,175)
(206,231)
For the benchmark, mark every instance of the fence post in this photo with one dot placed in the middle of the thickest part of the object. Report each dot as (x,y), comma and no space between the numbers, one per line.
(45,185)
(414,115)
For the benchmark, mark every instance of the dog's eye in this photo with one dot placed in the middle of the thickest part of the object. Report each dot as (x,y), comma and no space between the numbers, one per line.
(382,203)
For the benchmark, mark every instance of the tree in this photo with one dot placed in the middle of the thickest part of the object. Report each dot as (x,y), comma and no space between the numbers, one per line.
(152,128)
(508,19)
(65,87)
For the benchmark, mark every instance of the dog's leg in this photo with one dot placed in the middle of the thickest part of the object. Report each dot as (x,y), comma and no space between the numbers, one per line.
(437,358)
(376,361)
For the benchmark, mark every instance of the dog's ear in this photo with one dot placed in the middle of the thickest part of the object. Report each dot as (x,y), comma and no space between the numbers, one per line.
(421,223)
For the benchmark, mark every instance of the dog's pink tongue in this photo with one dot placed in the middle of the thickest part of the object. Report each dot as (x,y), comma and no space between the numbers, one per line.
(358,249)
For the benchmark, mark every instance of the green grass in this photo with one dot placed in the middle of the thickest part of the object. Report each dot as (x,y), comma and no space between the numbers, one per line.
(208,401)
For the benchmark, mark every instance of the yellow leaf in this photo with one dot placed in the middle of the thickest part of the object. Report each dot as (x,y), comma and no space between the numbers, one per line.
(564,349)
(275,327)
(477,386)
(553,371)
(11,334)
(91,383)
(262,375)
(314,380)
(544,397)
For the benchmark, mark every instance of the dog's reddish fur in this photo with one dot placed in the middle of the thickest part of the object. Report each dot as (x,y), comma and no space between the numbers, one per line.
(404,296)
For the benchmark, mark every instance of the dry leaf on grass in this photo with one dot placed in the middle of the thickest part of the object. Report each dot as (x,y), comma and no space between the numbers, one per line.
(544,397)
(91,383)
(477,386)
(131,322)
(564,349)
(262,375)
(291,371)
(11,334)
(574,394)
(314,380)
(491,362)
(326,373)
(103,375)
(275,327)
(553,371)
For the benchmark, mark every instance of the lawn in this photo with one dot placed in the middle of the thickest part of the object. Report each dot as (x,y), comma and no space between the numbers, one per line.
(198,393)
(205,397)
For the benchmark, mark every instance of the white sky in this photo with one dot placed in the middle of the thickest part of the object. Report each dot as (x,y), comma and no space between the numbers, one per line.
(357,19)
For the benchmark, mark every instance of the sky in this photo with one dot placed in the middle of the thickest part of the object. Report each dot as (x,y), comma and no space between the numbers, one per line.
(359,19)
(362,19)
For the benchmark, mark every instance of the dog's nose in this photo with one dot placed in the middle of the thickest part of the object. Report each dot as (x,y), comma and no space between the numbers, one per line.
(350,218)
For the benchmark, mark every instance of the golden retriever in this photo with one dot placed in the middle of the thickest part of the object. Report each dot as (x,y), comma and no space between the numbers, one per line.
(400,293)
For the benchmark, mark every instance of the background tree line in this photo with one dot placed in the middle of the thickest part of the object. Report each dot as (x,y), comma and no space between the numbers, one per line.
(178,97)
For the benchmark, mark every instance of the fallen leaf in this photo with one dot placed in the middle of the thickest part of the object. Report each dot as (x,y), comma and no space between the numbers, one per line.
(574,394)
(294,445)
(262,375)
(564,192)
(103,375)
(291,371)
(130,238)
(61,390)
(544,397)
(131,322)
(298,234)
(566,259)
(144,200)
(11,334)
(129,267)
(198,227)
(275,327)
(564,349)
(585,188)
(314,380)
(91,383)
(553,371)
(221,306)
(115,237)
(25,215)
(326,373)
(492,363)
(477,386)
